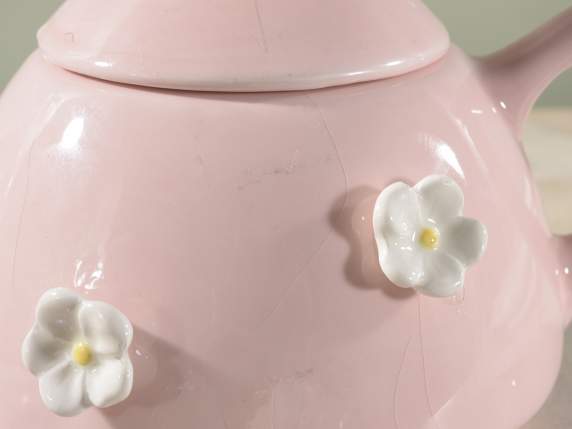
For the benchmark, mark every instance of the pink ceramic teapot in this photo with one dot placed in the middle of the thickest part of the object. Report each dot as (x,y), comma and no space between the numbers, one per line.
(203,256)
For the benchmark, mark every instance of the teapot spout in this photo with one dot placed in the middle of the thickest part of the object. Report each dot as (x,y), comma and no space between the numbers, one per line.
(518,74)
(564,274)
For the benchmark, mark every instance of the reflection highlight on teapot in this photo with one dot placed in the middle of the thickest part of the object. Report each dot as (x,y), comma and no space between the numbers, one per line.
(69,144)
(86,276)
(443,153)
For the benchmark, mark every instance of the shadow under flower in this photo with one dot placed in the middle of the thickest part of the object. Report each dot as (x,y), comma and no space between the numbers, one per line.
(353,221)
(168,387)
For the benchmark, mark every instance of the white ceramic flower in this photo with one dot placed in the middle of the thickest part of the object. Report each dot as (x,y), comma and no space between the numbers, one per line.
(422,239)
(78,351)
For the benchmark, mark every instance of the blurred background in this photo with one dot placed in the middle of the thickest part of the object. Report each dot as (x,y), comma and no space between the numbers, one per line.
(479,27)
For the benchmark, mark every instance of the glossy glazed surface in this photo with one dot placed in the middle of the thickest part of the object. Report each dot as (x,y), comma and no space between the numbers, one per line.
(234,230)
(248,45)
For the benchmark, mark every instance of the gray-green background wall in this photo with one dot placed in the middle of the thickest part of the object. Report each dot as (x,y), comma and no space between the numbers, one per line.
(479,27)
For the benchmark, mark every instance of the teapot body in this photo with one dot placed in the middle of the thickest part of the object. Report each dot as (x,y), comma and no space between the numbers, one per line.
(235,232)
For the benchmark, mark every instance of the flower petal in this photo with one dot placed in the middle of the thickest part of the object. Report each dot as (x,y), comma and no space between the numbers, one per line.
(444,275)
(465,239)
(62,389)
(402,261)
(42,351)
(441,198)
(396,211)
(110,382)
(57,313)
(105,328)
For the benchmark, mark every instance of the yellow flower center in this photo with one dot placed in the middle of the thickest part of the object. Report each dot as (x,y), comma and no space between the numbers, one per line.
(81,354)
(429,238)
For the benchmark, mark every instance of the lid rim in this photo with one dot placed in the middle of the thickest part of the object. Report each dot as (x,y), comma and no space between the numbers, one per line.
(105,69)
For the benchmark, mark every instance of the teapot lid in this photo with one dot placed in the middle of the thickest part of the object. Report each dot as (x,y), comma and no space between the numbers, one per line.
(242,45)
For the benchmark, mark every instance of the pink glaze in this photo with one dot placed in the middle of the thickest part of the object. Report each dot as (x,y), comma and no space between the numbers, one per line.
(245,45)
(234,230)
